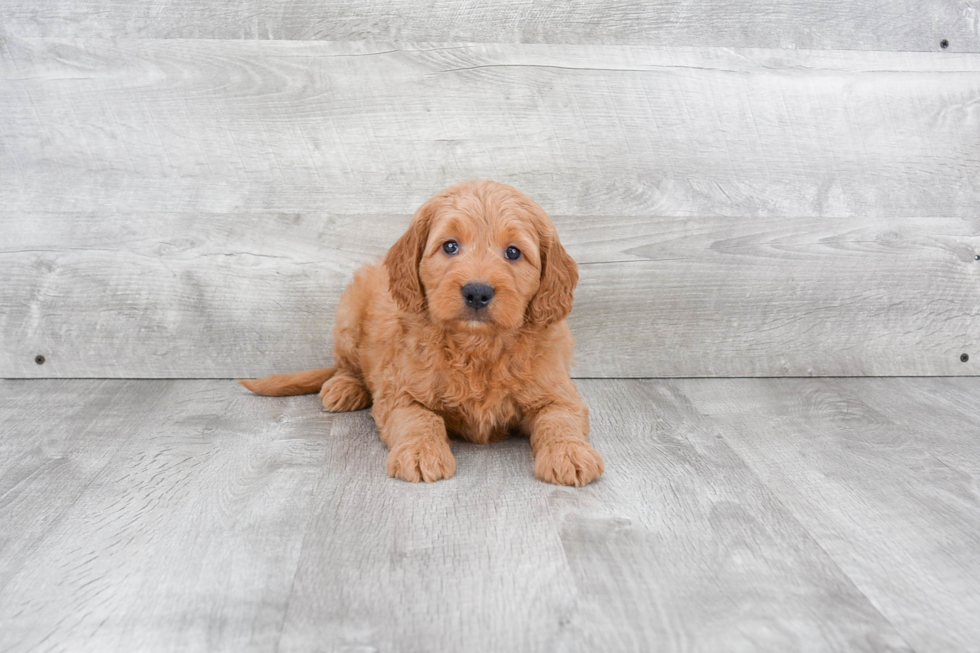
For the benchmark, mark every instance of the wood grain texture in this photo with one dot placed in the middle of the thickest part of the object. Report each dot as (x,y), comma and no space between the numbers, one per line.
(148,516)
(684,550)
(224,521)
(47,462)
(901,25)
(217,126)
(677,549)
(678,177)
(883,473)
(961,398)
(245,294)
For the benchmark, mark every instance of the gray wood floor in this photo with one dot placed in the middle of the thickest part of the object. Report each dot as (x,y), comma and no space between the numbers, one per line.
(735,515)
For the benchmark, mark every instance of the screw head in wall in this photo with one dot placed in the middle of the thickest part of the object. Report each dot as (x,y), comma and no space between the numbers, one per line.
(964,358)
(944,44)
(39,359)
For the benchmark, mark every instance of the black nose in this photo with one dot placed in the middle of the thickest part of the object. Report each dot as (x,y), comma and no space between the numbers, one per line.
(477,295)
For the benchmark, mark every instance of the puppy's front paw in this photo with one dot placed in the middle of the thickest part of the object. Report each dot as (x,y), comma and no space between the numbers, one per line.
(421,459)
(568,462)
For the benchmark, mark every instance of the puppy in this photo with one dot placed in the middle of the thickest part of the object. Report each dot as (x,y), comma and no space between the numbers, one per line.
(461,331)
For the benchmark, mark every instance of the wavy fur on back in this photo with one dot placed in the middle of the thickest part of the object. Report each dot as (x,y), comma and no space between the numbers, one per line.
(406,342)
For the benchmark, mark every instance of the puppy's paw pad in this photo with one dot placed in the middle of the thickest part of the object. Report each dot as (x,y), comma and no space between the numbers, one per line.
(421,461)
(568,462)
(343,393)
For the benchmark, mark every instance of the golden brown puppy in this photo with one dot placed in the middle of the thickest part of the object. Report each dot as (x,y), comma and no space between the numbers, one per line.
(461,330)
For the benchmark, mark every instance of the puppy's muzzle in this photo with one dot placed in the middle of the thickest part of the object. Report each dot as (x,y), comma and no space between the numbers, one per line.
(477,295)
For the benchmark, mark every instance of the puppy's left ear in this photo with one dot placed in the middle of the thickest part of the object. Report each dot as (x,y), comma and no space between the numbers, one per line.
(402,261)
(559,276)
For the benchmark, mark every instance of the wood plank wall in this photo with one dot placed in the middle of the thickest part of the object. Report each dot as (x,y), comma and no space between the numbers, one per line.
(753,189)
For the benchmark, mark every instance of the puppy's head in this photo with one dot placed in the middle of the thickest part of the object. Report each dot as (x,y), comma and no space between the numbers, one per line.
(481,256)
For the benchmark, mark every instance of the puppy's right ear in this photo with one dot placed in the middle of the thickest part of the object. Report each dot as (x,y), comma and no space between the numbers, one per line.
(402,260)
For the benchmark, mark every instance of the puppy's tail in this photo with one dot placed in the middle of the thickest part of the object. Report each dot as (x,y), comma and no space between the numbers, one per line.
(298,383)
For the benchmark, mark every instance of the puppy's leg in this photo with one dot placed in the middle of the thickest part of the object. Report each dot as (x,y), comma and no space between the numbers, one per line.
(560,443)
(418,446)
(344,392)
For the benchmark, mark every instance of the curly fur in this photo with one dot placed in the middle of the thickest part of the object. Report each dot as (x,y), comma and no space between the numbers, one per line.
(405,340)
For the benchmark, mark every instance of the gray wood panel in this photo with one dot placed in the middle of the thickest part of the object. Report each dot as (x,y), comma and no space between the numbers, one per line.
(948,394)
(151,515)
(186,208)
(681,510)
(883,473)
(354,128)
(56,439)
(224,521)
(899,25)
(245,294)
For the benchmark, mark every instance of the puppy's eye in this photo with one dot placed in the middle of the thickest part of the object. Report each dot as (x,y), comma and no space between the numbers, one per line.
(512,253)
(450,247)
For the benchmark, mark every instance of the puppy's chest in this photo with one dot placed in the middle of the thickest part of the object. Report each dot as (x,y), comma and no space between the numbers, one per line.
(479,408)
